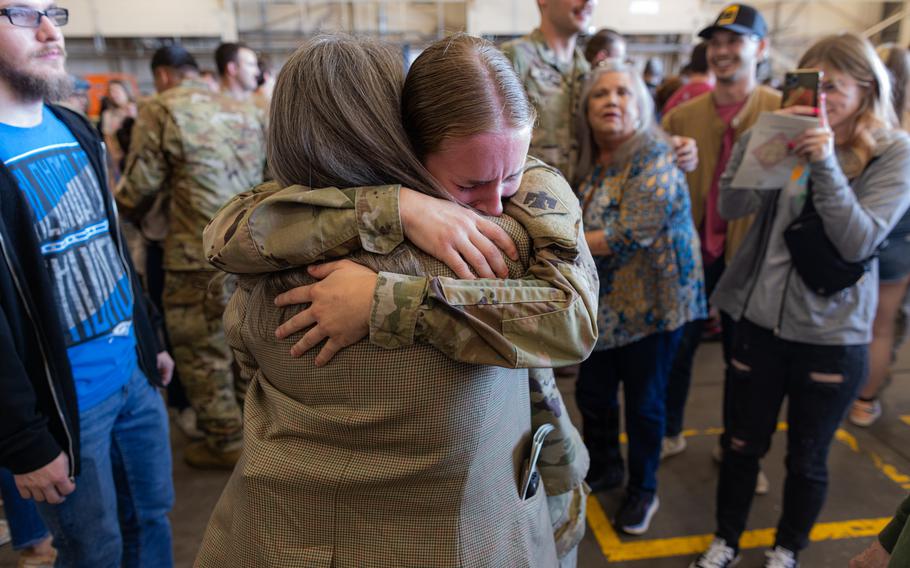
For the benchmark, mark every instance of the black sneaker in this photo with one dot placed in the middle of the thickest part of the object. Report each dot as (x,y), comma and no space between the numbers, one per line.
(718,555)
(605,478)
(634,516)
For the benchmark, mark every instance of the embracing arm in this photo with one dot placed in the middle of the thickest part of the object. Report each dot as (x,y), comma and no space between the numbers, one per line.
(272,228)
(545,319)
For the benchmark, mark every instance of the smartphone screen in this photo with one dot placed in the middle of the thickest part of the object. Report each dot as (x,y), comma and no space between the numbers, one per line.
(801,87)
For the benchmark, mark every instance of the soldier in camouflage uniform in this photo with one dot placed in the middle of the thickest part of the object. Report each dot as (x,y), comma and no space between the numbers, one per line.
(553,70)
(202,148)
(272,228)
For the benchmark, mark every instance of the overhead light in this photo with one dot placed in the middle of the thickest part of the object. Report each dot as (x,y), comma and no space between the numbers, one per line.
(644,7)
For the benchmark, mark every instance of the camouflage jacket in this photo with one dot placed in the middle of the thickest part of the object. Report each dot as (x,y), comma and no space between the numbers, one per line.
(545,319)
(202,149)
(555,90)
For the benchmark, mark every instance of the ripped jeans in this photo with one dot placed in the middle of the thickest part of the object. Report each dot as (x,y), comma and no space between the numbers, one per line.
(820,382)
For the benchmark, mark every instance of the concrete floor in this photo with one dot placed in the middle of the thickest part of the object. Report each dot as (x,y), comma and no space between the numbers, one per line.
(868,469)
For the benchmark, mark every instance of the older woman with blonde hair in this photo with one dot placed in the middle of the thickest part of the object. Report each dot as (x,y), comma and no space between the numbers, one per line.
(639,228)
(803,289)
(404,449)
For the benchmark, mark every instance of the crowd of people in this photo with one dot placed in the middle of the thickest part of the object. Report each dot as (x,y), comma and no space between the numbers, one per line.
(357,286)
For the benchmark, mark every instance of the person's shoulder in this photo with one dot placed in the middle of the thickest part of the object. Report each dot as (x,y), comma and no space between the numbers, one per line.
(545,206)
(692,106)
(520,50)
(768,97)
(652,150)
(188,96)
(523,42)
(544,191)
(891,144)
(538,174)
(655,144)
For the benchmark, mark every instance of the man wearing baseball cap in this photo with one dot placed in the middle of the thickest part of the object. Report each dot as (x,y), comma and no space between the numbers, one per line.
(736,42)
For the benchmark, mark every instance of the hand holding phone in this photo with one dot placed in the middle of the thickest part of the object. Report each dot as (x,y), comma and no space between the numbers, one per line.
(802,88)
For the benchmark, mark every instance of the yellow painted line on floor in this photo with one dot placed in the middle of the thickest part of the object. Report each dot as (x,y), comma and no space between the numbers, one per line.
(660,548)
(906,419)
(847,438)
(889,470)
(601,527)
(615,550)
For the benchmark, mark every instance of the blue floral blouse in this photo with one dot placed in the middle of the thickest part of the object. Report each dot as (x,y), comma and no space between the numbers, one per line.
(652,280)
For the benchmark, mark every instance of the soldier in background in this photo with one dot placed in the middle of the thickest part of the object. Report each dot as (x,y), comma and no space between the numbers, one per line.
(238,70)
(202,148)
(552,70)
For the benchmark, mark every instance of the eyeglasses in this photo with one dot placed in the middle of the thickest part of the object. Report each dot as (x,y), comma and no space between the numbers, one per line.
(31,18)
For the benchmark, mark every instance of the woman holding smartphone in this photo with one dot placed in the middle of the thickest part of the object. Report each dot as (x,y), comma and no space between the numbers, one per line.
(807,343)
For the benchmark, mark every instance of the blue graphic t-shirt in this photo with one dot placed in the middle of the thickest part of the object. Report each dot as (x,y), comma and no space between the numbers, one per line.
(91,284)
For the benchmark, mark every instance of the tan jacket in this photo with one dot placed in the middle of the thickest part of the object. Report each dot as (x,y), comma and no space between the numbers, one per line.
(697,119)
(380,458)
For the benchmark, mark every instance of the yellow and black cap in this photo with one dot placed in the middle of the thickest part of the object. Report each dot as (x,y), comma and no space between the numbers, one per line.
(738,18)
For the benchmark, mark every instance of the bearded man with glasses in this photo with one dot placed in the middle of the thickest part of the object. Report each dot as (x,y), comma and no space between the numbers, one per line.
(83,429)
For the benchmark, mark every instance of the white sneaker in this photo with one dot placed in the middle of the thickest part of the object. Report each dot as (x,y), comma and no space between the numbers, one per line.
(672,445)
(762,485)
(186,422)
(780,557)
(865,413)
(718,555)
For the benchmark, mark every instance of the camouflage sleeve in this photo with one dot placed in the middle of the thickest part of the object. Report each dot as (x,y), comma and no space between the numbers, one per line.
(154,136)
(272,228)
(546,319)
(564,459)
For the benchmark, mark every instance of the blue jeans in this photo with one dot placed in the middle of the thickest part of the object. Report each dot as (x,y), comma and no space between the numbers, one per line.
(642,367)
(117,516)
(25,525)
(819,383)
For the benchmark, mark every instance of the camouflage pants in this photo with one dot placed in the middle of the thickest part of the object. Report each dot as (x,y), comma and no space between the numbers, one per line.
(194,303)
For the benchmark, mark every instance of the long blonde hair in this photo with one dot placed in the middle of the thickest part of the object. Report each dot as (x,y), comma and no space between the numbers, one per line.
(460,86)
(855,56)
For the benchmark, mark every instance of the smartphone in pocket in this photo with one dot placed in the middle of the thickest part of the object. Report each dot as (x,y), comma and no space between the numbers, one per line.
(801,87)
